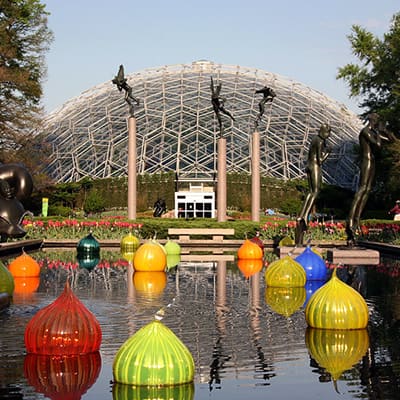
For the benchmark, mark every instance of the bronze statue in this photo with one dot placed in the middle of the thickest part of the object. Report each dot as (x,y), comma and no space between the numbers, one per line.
(218,104)
(268,95)
(370,138)
(16,184)
(317,154)
(122,84)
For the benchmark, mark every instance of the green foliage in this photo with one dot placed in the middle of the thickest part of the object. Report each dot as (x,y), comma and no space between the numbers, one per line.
(61,211)
(375,81)
(94,202)
(24,38)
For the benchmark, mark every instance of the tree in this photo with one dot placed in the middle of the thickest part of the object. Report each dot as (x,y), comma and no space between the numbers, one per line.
(24,39)
(375,80)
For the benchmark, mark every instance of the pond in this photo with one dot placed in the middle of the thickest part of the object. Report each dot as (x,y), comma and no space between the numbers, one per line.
(247,341)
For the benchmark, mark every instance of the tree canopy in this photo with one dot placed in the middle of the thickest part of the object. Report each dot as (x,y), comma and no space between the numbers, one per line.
(375,80)
(24,40)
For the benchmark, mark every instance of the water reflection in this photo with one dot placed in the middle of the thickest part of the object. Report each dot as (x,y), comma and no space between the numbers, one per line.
(240,343)
(61,377)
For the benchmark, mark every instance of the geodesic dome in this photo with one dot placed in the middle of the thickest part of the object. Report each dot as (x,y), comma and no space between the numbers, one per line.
(177,129)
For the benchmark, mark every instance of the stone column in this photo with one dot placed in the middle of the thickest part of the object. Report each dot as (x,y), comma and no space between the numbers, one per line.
(221,176)
(255,177)
(132,168)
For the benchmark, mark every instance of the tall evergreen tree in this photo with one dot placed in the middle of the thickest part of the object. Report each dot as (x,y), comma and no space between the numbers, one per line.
(24,39)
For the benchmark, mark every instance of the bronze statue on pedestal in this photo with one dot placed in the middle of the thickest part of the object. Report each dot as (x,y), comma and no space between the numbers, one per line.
(122,84)
(218,105)
(317,154)
(370,139)
(268,96)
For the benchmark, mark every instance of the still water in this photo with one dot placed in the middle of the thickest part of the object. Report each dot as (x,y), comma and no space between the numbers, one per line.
(247,341)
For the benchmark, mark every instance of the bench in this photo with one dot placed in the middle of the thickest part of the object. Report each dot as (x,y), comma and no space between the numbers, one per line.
(212,238)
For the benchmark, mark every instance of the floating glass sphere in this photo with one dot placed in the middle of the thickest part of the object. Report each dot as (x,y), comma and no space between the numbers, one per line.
(24,266)
(337,305)
(313,264)
(129,244)
(89,245)
(64,327)
(250,250)
(172,248)
(153,356)
(173,260)
(150,257)
(285,272)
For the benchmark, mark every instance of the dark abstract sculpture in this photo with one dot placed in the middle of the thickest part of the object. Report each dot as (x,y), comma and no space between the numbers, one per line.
(370,139)
(16,184)
(159,208)
(218,105)
(268,95)
(317,154)
(122,84)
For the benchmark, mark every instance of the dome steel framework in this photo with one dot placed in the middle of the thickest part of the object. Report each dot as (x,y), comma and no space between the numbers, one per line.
(177,128)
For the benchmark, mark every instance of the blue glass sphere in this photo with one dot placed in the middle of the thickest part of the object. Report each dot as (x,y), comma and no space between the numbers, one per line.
(313,264)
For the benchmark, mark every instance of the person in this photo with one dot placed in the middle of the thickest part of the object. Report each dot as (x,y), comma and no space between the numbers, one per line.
(396,211)
(218,104)
(370,138)
(122,84)
(268,95)
(317,154)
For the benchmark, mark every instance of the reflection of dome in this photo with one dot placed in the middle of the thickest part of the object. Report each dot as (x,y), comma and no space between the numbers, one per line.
(177,128)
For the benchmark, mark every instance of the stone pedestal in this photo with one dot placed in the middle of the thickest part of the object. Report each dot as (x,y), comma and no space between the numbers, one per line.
(353,256)
(132,168)
(255,177)
(221,176)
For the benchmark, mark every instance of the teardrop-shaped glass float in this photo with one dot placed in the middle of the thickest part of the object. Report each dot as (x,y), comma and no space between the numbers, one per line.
(337,305)
(89,245)
(153,356)
(250,250)
(249,267)
(313,264)
(176,392)
(285,272)
(172,248)
(285,300)
(62,377)
(7,284)
(24,266)
(128,246)
(337,350)
(173,260)
(63,327)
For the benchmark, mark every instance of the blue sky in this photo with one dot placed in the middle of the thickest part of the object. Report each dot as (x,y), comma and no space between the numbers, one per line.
(302,40)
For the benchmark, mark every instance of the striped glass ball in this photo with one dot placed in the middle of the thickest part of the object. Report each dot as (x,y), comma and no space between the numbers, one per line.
(153,356)
(337,305)
(285,272)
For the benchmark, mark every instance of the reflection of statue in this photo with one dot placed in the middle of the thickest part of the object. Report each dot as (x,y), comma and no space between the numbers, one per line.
(218,104)
(317,154)
(122,83)
(370,136)
(159,208)
(15,184)
(268,95)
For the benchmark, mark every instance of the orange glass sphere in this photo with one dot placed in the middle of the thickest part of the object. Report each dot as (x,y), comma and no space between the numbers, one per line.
(150,257)
(24,266)
(250,250)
